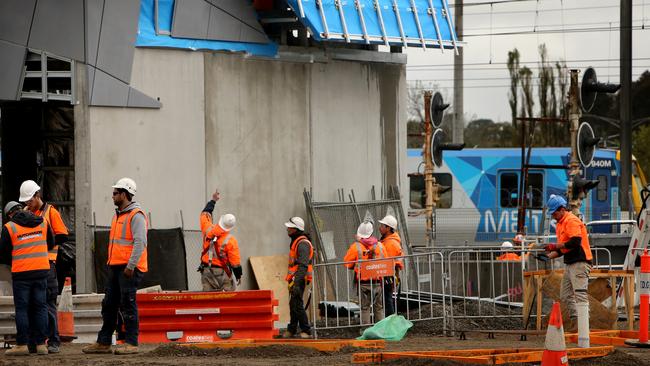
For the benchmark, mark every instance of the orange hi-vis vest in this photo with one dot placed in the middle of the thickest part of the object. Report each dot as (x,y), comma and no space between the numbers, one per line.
(293,260)
(120,242)
(29,247)
(569,227)
(377,251)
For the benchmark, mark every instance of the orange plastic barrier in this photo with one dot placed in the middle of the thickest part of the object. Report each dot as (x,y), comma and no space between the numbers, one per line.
(206,316)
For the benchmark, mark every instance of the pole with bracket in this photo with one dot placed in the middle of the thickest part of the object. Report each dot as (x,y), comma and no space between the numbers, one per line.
(574,120)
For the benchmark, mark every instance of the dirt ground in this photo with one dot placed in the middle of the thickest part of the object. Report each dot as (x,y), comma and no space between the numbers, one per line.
(71,354)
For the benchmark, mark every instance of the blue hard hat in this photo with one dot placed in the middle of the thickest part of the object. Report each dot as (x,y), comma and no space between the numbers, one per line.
(555,202)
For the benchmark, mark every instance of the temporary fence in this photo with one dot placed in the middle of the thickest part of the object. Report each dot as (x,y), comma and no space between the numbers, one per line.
(445,285)
(360,297)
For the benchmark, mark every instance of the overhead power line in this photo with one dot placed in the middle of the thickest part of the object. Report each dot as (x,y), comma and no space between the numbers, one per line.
(568,62)
(537,11)
(553,31)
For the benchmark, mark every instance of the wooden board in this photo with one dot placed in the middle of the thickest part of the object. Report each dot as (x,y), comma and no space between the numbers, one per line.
(269,273)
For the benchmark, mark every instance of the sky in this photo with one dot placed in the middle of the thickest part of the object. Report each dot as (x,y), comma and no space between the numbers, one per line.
(486,74)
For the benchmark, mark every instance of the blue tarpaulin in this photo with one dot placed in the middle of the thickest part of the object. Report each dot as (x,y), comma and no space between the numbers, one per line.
(147,36)
(419,23)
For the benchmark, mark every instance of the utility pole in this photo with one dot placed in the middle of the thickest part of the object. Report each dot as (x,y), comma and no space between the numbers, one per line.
(458,129)
(430,187)
(625,104)
(574,164)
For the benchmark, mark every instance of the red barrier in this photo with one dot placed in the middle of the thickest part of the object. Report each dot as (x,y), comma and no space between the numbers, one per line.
(206,316)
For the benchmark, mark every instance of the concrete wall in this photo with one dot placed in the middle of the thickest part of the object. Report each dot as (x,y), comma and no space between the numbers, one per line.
(162,150)
(259,130)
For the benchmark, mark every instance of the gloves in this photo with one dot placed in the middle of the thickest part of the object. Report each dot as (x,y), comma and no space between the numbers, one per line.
(550,247)
(290,287)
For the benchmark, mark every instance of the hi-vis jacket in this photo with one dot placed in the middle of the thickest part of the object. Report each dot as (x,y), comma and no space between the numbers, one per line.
(393,245)
(23,245)
(55,222)
(122,243)
(570,226)
(224,252)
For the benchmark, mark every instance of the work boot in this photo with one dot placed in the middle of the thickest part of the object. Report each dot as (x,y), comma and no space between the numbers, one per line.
(305,335)
(287,334)
(97,348)
(41,349)
(126,349)
(20,350)
(53,348)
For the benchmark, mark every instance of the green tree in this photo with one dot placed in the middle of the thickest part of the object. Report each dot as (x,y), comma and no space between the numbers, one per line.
(513,69)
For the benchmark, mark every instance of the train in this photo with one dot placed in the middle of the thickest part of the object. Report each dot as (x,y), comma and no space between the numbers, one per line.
(481,206)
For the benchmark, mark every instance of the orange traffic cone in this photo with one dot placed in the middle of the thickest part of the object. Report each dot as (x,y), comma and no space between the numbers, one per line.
(555,348)
(65,315)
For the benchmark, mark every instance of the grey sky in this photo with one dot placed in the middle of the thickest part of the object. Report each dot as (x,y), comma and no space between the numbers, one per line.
(489,98)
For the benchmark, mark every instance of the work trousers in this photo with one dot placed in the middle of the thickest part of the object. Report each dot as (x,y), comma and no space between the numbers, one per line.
(52,292)
(372,301)
(119,296)
(389,304)
(297,310)
(216,279)
(31,310)
(575,283)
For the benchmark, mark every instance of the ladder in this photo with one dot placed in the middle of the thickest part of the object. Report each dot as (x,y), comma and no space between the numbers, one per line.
(640,236)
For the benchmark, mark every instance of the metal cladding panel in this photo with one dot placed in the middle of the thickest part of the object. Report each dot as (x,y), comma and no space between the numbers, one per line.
(119,29)
(15,20)
(90,78)
(413,23)
(109,91)
(242,10)
(140,100)
(250,35)
(12,59)
(223,27)
(191,19)
(94,11)
(58,28)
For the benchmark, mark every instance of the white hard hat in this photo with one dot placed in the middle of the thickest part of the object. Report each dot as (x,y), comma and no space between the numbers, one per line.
(10,206)
(27,190)
(506,245)
(389,220)
(227,221)
(296,223)
(365,230)
(519,239)
(127,184)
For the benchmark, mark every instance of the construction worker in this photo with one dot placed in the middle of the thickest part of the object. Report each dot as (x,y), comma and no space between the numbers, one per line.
(220,256)
(30,195)
(127,262)
(24,243)
(371,290)
(393,245)
(299,276)
(573,244)
(507,253)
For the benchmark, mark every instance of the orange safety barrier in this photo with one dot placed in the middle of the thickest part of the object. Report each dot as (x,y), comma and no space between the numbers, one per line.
(481,356)
(206,316)
(326,345)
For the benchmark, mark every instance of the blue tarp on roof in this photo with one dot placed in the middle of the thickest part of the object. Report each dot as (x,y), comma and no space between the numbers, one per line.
(413,23)
(147,36)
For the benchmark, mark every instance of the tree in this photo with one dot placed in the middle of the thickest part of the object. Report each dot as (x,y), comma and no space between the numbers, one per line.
(528,103)
(513,69)
(487,133)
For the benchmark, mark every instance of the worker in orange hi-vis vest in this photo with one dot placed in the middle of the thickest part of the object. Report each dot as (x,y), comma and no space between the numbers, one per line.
(220,258)
(371,289)
(127,262)
(24,243)
(31,196)
(299,276)
(393,244)
(573,245)
(507,254)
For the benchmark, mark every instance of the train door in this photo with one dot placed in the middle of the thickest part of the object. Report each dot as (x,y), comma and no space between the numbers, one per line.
(507,200)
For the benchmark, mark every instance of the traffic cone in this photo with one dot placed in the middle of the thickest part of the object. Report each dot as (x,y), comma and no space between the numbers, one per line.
(555,348)
(65,314)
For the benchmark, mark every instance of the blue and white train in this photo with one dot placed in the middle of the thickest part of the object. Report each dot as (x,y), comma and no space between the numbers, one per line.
(481,206)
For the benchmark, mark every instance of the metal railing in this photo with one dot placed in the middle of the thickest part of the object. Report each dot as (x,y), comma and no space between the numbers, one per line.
(344,300)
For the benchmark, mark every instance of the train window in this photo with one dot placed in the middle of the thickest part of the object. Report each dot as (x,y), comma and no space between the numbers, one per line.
(536,184)
(601,189)
(417,191)
(509,189)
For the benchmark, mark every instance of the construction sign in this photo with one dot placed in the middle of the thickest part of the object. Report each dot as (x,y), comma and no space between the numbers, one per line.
(376,269)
